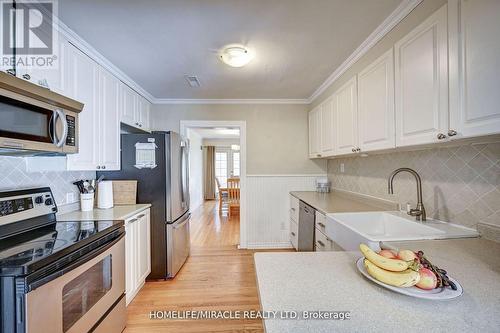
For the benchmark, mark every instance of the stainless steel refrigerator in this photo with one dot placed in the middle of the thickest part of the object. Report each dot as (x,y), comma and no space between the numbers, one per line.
(159,163)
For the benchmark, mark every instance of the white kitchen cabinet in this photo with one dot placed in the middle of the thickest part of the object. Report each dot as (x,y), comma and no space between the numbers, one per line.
(136,109)
(109,121)
(376,105)
(421,82)
(314,132)
(137,253)
(474,42)
(82,77)
(99,132)
(327,125)
(346,118)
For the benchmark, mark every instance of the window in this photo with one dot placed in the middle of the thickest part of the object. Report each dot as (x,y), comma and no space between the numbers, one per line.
(236,163)
(221,167)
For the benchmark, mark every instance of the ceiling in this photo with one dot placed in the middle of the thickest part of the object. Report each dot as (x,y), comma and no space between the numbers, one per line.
(217,133)
(297,43)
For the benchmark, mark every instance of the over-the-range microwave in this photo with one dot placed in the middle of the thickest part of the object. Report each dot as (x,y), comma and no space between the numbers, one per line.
(35,120)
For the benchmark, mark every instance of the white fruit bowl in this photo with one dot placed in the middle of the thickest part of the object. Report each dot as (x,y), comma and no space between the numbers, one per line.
(443,293)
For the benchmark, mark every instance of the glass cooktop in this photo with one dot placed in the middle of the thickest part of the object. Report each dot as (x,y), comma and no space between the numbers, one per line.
(24,253)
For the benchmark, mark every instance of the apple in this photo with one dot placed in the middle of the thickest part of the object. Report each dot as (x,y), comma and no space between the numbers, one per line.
(407,255)
(388,254)
(428,279)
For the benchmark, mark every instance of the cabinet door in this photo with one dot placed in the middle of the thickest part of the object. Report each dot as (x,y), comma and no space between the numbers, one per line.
(109,101)
(143,113)
(327,131)
(474,54)
(346,118)
(376,105)
(144,246)
(314,133)
(129,106)
(82,78)
(130,261)
(421,82)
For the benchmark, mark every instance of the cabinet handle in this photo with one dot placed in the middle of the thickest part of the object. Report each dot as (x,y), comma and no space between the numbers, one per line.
(141,216)
(321,224)
(11,71)
(140,125)
(293,209)
(293,234)
(358,149)
(353,150)
(26,77)
(452,132)
(318,155)
(320,243)
(132,221)
(441,136)
(103,167)
(98,167)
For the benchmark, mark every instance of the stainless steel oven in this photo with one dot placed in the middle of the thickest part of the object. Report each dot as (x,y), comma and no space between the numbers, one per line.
(36,121)
(81,295)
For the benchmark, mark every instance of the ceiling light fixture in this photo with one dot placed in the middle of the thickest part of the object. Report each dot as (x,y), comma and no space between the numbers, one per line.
(235,55)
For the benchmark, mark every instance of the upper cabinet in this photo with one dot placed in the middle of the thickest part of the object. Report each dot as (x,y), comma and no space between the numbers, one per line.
(315,133)
(327,122)
(421,82)
(136,109)
(376,105)
(99,131)
(474,41)
(346,118)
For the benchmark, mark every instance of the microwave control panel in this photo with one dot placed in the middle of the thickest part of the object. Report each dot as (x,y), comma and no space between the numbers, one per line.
(71,138)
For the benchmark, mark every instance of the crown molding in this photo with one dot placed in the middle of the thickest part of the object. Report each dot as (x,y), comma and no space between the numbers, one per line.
(387,25)
(229,101)
(90,51)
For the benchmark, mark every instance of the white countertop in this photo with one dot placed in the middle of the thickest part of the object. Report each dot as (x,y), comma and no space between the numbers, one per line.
(121,212)
(330,281)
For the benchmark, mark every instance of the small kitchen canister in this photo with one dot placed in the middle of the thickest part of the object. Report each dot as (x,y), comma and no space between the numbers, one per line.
(105,194)
(86,202)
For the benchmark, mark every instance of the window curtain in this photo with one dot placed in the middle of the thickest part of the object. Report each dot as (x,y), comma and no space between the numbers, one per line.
(209,172)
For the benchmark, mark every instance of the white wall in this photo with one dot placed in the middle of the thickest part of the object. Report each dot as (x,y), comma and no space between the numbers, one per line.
(195,170)
(277,139)
(221,142)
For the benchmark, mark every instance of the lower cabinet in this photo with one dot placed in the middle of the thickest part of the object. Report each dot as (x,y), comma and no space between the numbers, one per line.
(294,234)
(137,253)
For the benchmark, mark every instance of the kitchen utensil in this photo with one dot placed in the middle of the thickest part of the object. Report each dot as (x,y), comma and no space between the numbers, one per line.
(443,293)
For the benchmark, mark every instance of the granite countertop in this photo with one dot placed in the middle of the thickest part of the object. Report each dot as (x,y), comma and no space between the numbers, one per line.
(341,202)
(121,212)
(330,281)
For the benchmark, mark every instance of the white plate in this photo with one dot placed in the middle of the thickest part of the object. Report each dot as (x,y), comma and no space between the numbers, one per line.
(434,294)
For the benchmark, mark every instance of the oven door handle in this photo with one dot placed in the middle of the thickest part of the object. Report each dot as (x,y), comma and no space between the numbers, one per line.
(92,254)
(58,113)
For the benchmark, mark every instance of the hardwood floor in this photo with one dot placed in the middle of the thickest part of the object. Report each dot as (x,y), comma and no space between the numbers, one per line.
(216,276)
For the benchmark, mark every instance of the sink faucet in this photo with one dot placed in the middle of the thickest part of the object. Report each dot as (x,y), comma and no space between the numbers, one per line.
(418,212)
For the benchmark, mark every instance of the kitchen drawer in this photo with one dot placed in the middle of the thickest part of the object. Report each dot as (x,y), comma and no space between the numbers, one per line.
(294,233)
(320,221)
(322,242)
(294,208)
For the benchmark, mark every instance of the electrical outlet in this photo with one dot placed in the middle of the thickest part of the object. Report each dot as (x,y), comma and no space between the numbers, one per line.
(70,197)
(342,168)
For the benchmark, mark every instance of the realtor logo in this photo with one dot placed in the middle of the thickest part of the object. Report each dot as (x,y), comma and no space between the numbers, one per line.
(28,34)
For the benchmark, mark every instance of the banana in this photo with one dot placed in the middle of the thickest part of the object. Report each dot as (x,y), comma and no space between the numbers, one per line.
(394,265)
(403,279)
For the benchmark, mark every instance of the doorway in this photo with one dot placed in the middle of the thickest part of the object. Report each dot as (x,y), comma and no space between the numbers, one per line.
(220,145)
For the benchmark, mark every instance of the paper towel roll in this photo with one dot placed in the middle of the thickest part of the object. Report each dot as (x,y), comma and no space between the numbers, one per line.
(105,194)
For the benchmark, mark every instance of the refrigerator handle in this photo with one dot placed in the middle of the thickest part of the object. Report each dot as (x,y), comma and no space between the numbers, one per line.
(183,173)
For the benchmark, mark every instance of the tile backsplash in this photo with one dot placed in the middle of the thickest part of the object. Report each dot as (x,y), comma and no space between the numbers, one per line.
(460,184)
(14,175)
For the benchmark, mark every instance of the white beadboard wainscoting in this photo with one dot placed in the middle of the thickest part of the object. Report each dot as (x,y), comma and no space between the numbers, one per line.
(268,207)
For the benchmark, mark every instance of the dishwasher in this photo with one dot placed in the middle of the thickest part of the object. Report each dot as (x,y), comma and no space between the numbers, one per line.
(305,239)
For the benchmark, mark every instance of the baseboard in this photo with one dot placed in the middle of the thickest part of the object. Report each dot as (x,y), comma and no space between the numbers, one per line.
(284,245)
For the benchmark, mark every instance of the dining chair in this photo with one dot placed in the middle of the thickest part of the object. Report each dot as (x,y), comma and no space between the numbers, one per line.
(233,194)
(222,194)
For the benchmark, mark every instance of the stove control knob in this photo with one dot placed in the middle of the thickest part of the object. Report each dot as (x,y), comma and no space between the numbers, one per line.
(39,200)
(48,202)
